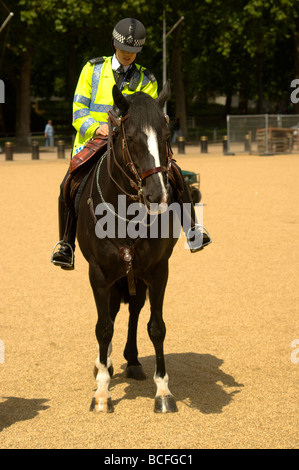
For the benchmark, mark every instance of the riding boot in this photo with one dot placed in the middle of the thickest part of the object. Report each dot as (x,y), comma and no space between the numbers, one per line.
(64,257)
(196,234)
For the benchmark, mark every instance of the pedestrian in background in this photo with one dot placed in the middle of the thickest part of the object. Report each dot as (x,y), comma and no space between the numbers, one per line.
(49,134)
(177,130)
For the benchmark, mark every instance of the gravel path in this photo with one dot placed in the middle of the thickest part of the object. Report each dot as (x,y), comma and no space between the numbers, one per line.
(231,313)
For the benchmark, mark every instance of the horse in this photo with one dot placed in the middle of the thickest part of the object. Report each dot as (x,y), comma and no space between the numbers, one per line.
(124,268)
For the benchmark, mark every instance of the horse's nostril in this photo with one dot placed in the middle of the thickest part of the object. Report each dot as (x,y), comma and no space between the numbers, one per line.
(153,199)
(156,199)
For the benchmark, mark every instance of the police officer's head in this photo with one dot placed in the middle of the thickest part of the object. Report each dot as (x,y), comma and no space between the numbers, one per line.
(129,35)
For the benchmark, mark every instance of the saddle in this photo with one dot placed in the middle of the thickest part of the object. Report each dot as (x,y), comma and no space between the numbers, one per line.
(80,166)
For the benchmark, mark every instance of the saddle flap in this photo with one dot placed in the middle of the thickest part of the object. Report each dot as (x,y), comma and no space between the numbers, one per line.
(91,148)
(80,166)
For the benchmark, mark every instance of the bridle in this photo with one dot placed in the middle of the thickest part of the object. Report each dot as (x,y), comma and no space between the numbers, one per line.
(136,183)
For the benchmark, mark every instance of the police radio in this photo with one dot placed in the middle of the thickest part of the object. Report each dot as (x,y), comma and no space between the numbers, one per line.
(134,80)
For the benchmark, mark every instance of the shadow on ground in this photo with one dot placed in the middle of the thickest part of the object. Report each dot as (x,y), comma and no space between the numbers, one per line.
(16,409)
(194,379)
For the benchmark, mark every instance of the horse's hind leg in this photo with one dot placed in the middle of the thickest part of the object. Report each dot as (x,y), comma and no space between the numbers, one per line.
(134,368)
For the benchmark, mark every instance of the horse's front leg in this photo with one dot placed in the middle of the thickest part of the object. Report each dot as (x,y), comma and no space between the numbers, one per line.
(104,331)
(134,368)
(164,400)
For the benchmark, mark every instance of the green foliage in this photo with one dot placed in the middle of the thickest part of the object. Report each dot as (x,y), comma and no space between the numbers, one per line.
(227,46)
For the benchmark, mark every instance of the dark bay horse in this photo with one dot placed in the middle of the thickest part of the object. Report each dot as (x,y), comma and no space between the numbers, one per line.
(122,268)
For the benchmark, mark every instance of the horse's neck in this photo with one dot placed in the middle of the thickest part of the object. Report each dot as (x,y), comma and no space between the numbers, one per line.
(112,180)
(120,170)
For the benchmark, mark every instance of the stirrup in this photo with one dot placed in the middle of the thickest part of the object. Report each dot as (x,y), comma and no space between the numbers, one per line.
(196,248)
(64,265)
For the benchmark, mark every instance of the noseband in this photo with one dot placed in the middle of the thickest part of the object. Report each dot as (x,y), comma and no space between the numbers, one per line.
(118,122)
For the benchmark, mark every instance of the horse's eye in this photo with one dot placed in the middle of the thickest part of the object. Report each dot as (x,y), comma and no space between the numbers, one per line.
(132,139)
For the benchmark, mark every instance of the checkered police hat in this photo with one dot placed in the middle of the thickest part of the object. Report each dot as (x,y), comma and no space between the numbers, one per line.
(129,35)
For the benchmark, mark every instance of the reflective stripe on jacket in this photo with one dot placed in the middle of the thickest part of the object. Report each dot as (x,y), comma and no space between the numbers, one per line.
(93,97)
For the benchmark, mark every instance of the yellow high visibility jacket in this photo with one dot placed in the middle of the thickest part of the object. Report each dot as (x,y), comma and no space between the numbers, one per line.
(93,96)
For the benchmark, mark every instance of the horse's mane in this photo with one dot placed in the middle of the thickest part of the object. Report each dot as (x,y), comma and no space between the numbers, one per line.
(145,111)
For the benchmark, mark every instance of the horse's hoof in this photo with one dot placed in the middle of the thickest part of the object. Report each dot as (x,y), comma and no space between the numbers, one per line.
(165,404)
(135,372)
(104,406)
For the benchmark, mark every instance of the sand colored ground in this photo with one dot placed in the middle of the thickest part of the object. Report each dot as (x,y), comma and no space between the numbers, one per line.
(231,313)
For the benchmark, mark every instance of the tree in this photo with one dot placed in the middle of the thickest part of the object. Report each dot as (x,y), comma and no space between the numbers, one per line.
(220,48)
(30,30)
(34,45)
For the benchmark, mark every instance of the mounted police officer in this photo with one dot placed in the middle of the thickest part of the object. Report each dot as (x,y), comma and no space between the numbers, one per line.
(93,95)
(92,101)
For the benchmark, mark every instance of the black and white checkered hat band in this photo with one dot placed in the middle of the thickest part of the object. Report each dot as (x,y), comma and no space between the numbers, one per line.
(128,40)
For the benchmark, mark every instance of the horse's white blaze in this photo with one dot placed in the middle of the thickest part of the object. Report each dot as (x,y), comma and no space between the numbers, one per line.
(162,386)
(153,148)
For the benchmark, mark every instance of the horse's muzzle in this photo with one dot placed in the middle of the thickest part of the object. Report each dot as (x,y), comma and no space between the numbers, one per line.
(155,208)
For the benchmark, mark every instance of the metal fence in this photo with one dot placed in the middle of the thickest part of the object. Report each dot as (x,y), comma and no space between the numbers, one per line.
(263,133)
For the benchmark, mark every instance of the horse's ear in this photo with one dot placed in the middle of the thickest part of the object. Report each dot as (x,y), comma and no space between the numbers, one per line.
(164,95)
(120,101)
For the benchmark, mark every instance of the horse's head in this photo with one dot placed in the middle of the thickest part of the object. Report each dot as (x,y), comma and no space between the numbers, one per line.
(144,136)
